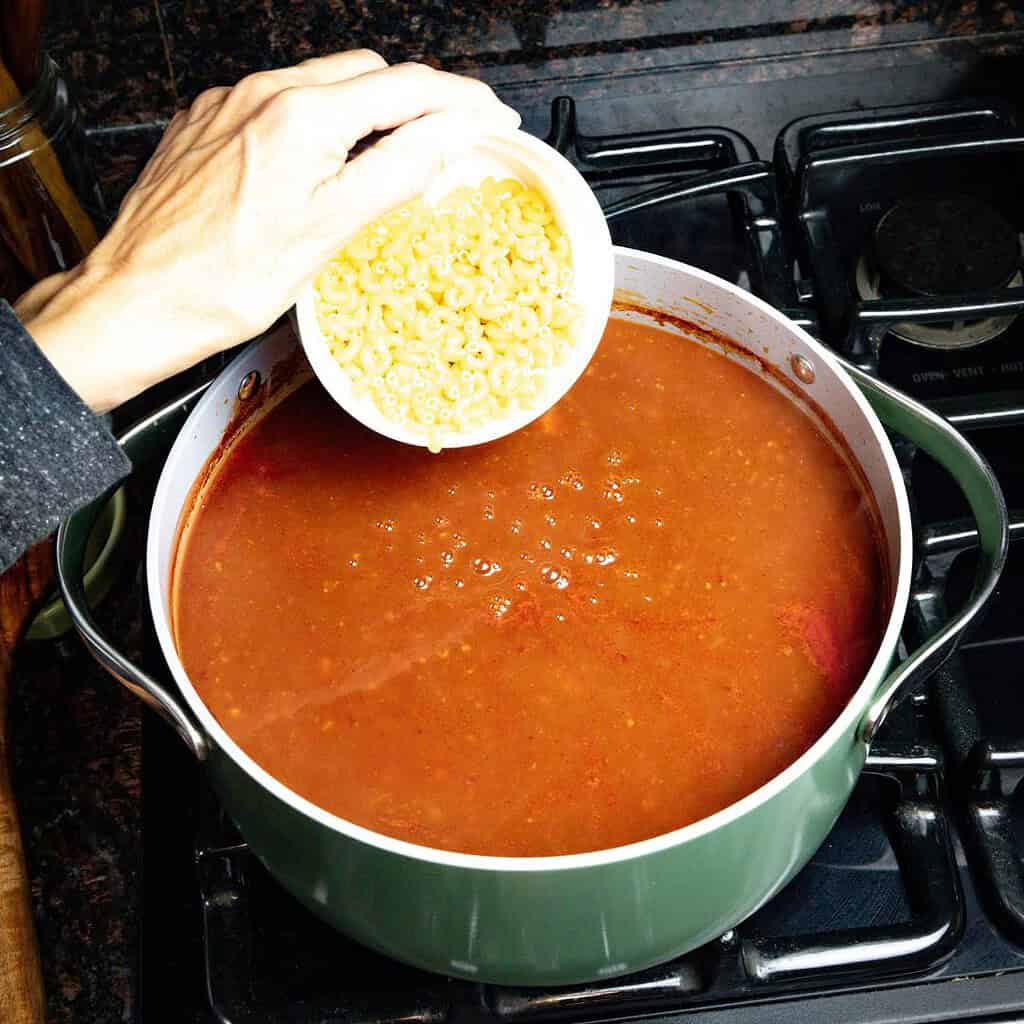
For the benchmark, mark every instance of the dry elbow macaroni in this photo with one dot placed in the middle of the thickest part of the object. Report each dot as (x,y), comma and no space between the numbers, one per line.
(450,316)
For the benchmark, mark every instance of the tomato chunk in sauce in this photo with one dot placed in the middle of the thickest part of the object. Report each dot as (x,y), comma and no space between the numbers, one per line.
(612,623)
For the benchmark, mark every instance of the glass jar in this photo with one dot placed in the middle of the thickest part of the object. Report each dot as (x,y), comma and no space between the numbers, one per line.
(50,205)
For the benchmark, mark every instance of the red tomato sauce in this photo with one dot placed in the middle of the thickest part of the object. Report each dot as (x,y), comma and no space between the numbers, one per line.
(617,621)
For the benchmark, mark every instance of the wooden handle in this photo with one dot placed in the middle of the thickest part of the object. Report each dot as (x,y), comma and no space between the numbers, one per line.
(21,982)
(21,27)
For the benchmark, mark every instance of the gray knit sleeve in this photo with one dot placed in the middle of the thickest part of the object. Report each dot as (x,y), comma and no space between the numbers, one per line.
(55,453)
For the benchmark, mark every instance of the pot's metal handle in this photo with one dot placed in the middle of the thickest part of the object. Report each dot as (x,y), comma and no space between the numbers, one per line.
(153,435)
(972,474)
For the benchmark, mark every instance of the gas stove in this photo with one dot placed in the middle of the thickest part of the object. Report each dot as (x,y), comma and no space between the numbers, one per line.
(893,235)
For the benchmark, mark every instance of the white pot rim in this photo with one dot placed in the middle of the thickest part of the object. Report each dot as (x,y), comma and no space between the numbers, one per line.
(840,727)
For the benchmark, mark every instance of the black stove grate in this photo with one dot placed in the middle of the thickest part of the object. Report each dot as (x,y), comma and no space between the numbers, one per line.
(985,744)
(992,834)
(842,176)
(696,194)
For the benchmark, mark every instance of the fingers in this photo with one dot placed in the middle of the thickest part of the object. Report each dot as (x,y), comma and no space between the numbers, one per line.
(403,100)
(336,67)
(253,91)
(394,170)
(339,114)
(227,108)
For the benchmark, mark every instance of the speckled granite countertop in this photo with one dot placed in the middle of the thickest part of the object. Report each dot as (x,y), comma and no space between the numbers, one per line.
(132,63)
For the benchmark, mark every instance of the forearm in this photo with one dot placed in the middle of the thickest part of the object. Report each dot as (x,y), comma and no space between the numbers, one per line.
(105,333)
(55,453)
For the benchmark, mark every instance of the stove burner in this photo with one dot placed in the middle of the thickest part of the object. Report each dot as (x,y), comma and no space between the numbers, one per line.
(942,246)
(945,246)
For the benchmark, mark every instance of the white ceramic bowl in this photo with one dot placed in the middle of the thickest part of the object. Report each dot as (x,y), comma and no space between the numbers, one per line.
(477,151)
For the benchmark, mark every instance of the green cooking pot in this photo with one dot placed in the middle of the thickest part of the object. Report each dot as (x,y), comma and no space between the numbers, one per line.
(556,920)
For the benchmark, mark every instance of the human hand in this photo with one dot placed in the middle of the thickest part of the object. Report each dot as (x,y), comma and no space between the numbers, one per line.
(247,195)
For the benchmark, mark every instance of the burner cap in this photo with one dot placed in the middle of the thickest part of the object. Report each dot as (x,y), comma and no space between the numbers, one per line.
(945,246)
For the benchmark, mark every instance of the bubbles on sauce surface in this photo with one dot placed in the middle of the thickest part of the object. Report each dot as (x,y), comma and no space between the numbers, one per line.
(447,558)
(499,606)
(387,525)
(485,567)
(423,582)
(541,492)
(613,491)
(555,576)
(571,478)
(614,457)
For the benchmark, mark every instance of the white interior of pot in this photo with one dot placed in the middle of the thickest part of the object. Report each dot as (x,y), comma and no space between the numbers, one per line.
(659,284)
